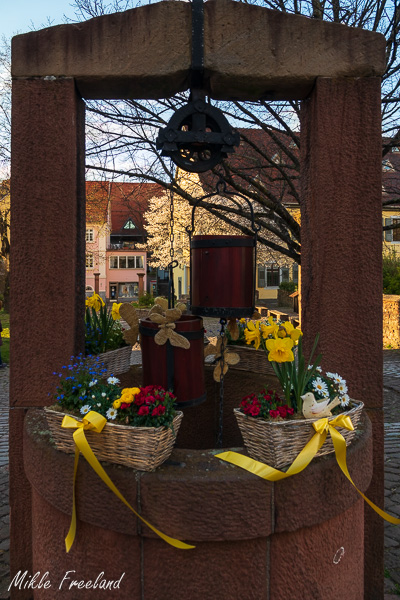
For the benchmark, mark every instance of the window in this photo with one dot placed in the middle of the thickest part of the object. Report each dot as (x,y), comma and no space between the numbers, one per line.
(89,260)
(396,149)
(129,225)
(396,232)
(126,262)
(89,235)
(128,290)
(284,274)
(295,273)
(113,262)
(387,165)
(268,276)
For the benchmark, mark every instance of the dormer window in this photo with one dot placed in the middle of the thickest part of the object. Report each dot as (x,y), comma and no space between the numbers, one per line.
(129,225)
(387,165)
(89,235)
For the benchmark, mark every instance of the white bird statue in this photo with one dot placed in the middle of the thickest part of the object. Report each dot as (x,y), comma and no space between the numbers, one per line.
(313,408)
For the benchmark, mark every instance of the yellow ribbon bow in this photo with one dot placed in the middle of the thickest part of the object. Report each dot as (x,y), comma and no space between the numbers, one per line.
(95,422)
(322,428)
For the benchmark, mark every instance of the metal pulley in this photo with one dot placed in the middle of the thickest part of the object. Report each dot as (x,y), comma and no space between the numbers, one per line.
(198,135)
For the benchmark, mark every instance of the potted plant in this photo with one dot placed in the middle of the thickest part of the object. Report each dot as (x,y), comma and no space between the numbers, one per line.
(252,357)
(142,423)
(277,425)
(104,335)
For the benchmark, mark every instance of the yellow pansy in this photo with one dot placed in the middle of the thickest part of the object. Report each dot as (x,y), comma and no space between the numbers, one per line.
(292,331)
(280,350)
(117,403)
(115,311)
(252,334)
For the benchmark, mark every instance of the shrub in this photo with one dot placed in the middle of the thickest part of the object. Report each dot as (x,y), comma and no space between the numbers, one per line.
(391,273)
(288,286)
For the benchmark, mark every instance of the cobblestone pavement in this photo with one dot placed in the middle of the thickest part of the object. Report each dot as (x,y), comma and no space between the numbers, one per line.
(392,472)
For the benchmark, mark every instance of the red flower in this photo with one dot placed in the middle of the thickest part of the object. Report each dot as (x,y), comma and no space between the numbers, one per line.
(254,410)
(157,411)
(282,411)
(274,414)
(124,405)
(150,400)
(143,410)
(290,411)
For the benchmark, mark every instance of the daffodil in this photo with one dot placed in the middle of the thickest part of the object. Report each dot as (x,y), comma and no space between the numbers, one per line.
(280,349)
(268,330)
(292,331)
(252,334)
(115,311)
(95,302)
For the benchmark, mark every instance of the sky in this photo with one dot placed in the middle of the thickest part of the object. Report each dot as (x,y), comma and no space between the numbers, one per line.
(17,16)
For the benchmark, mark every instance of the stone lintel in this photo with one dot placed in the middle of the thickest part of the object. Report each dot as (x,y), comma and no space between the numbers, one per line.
(250,52)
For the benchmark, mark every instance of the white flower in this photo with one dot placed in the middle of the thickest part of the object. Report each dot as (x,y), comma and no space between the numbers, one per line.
(310,367)
(93,396)
(111,413)
(85,409)
(320,386)
(99,404)
(336,378)
(92,383)
(103,394)
(113,380)
(344,400)
(342,387)
(330,375)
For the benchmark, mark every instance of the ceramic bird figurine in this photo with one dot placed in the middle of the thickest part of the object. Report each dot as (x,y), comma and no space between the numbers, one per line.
(313,408)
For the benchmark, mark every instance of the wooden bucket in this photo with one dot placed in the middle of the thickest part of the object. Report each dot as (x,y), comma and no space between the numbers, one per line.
(175,368)
(222,276)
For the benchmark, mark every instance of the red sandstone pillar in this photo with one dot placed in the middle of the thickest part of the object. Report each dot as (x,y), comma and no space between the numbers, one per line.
(341,259)
(96,283)
(47,266)
(141,284)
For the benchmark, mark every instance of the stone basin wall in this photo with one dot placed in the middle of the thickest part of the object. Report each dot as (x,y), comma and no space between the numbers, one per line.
(302,537)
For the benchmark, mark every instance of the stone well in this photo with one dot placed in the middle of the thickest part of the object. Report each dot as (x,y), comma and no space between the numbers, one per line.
(299,538)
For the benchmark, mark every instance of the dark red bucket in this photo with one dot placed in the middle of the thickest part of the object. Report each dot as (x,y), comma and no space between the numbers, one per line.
(172,367)
(222,275)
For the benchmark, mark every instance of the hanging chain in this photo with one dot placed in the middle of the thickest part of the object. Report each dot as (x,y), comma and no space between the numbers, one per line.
(171,291)
(221,386)
(171,226)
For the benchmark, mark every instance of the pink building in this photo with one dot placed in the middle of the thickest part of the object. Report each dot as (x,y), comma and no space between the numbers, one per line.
(114,232)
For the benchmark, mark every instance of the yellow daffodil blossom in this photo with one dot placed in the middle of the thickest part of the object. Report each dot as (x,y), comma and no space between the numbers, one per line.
(243,321)
(271,329)
(280,350)
(115,311)
(252,334)
(291,331)
(117,403)
(95,302)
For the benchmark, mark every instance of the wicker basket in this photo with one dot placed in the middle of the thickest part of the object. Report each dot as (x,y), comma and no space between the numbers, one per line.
(141,448)
(277,443)
(116,361)
(252,360)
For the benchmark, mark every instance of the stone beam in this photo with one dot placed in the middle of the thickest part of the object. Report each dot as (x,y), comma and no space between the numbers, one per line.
(250,52)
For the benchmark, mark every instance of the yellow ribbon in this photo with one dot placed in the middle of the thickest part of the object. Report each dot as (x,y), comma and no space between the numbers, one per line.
(322,427)
(94,421)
